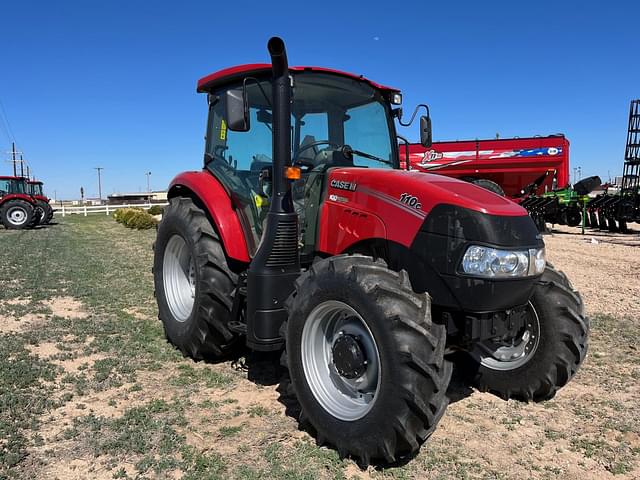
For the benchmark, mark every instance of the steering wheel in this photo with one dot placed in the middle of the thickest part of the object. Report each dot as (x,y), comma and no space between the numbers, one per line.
(309,163)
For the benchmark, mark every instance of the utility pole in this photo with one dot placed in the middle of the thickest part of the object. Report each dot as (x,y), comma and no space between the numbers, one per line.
(148,174)
(99,169)
(21,166)
(13,158)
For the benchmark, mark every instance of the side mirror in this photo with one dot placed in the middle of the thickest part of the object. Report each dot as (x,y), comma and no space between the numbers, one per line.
(236,110)
(426,136)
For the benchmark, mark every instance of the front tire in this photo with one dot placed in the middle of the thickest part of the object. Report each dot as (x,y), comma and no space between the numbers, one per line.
(365,359)
(193,283)
(17,214)
(47,212)
(557,340)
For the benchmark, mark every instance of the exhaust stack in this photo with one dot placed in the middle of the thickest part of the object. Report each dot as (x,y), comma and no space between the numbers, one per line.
(276,264)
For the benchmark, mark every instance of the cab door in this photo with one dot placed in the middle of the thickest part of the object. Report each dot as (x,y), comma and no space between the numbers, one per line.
(241,161)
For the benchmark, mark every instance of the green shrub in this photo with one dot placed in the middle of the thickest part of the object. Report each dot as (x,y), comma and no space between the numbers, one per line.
(134,218)
(117,215)
(123,214)
(140,220)
(155,210)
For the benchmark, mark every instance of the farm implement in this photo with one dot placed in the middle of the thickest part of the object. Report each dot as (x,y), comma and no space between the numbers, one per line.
(612,212)
(302,233)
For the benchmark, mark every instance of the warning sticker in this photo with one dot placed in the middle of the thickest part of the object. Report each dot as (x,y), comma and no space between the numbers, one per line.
(223,130)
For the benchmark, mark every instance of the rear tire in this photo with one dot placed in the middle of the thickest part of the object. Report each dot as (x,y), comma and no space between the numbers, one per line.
(193,283)
(388,419)
(17,214)
(560,348)
(489,185)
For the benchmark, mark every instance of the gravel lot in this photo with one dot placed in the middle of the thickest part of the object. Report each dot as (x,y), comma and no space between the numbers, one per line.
(603,266)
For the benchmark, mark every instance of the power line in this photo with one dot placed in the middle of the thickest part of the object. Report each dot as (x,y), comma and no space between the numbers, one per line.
(5,123)
(6,127)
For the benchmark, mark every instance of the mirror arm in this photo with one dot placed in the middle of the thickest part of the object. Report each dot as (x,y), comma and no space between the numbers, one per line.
(413,116)
(244,91)
(407,165)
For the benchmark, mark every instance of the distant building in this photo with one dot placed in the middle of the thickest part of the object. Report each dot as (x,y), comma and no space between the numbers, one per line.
(158,196)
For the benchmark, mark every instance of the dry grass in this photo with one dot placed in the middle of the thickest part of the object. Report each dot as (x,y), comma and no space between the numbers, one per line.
(90,389)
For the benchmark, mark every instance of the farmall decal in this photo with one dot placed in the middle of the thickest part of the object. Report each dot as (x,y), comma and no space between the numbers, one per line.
(433,159)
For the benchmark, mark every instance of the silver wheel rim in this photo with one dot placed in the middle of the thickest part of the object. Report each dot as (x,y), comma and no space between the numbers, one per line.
(510,357)
(17,215)
(178,273)
(344,398)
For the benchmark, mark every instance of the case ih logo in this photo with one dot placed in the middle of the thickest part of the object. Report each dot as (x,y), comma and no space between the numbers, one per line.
(431,155)
(343,185)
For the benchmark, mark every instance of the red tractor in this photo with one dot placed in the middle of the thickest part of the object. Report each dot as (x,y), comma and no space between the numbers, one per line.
(18,209)
(42,201)
(302,232)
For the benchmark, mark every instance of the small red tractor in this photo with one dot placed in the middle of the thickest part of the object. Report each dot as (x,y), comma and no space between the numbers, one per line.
(34,188)
(303,233)
(18,209)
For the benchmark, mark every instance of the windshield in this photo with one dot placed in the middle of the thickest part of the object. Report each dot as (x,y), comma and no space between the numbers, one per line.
(11,186)
(343,112)
(35,189)
(18,186)
(328,113)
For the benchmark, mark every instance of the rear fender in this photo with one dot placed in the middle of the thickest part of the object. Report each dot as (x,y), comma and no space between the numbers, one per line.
(17,196)
(215,199)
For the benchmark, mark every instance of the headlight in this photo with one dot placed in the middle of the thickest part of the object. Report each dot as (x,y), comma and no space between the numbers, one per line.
(495,263)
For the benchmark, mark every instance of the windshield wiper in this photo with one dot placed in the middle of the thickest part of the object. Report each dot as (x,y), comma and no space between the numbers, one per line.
(348,152)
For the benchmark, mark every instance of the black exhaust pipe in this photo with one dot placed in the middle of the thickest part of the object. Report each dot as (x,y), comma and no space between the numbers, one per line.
(281,88)
(276,264)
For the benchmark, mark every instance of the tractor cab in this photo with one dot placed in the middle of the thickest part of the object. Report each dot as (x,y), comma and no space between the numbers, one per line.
(337,120)
(35,188)
(12,185)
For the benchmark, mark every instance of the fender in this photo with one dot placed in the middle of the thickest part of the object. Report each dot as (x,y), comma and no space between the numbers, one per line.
(218,203)
(18,196)
(343,226)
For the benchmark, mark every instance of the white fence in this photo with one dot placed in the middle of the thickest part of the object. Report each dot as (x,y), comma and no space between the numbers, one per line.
(105,209)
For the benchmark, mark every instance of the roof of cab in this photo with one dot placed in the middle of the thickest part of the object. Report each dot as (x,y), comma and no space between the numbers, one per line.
(216,79)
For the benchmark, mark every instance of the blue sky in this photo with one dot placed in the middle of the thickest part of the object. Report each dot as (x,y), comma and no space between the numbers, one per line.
(112,84)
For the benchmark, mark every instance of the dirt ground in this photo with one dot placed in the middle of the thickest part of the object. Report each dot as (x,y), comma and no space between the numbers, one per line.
(90,389)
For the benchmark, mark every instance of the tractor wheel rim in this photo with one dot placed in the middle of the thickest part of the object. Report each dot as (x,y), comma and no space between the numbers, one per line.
(17,215)
(179,277)
(510,357)
(349,397)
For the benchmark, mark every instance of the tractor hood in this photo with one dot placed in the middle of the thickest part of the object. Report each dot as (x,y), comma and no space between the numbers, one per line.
(419,191)
(407,202)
